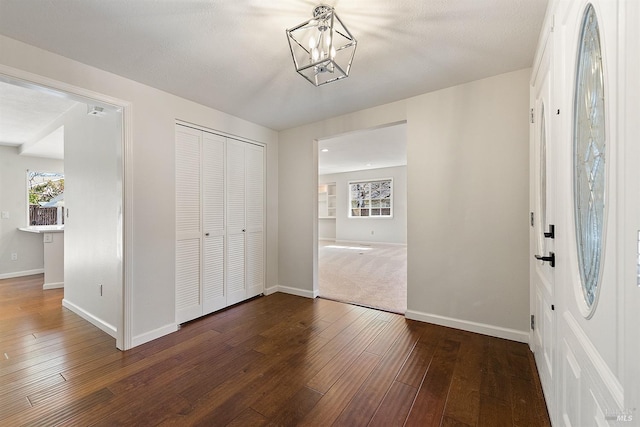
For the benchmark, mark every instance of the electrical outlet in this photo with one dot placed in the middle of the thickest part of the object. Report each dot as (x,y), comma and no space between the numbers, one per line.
(5,215)
(372,232)
(14,256)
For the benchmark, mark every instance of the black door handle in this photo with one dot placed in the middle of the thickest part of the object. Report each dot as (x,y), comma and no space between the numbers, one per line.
(551,258)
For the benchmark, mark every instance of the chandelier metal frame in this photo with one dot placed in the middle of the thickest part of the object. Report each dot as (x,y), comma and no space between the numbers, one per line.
(322,48)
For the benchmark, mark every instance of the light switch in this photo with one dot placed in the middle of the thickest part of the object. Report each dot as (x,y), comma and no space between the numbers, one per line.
(48,237)
(5,215)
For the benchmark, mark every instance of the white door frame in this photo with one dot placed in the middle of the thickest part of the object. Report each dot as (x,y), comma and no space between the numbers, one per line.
(543,331)
(630,111)
(125,222)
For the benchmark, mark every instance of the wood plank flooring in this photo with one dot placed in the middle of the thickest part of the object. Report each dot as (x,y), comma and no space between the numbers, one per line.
(279,360)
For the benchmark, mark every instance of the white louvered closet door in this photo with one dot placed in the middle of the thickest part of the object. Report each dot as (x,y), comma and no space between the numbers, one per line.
(236,228)
(254,162)
(219,222)
(213,186)
(188,233)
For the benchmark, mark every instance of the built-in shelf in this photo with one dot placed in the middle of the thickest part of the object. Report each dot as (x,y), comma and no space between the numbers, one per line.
(327,200)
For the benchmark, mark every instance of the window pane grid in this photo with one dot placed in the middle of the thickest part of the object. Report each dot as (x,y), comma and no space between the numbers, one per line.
(370,198)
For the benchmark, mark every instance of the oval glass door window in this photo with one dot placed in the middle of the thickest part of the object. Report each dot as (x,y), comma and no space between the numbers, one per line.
(589,146)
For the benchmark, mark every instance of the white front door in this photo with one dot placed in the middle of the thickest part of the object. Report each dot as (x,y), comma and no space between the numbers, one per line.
(542,247)
(590,347)
(589,369)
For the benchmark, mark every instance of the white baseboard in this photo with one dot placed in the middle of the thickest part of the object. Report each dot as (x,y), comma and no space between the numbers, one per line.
(99,323)
(21,273)
(271,290)
(54,285)
(294,291)
(152,335)
(326,239)
(465,325)
(364,243)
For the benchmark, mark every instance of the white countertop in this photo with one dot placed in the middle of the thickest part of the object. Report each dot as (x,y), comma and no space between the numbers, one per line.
(43,229)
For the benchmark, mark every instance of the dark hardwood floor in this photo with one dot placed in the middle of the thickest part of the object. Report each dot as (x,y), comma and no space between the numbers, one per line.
(279,360)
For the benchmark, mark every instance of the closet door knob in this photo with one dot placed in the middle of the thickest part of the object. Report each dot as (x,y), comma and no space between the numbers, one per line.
(206,234)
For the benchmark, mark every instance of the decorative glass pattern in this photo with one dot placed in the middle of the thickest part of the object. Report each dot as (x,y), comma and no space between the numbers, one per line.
(370,198)
(589,156)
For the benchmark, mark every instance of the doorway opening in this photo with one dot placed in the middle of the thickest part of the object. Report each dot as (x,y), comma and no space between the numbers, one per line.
(52,127)
(362,218)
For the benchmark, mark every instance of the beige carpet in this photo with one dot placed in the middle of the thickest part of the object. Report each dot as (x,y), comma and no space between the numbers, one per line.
(371,275)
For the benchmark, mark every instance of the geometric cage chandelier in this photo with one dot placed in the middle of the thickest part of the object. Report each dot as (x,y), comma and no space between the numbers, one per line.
(322,47)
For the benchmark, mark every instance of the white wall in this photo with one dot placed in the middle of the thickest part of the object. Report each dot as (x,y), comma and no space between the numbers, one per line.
(154,113)
(468,256)
(369,229)
(326,229)
(93,200)
(13,199)
(467,221)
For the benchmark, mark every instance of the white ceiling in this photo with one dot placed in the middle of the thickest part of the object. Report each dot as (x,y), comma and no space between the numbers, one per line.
(50,146)
(370,149)
(233,55)
(25,113)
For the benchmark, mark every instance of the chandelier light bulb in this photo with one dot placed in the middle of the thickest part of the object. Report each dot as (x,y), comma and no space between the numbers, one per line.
(312,42)
(327,40)
(315,54)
